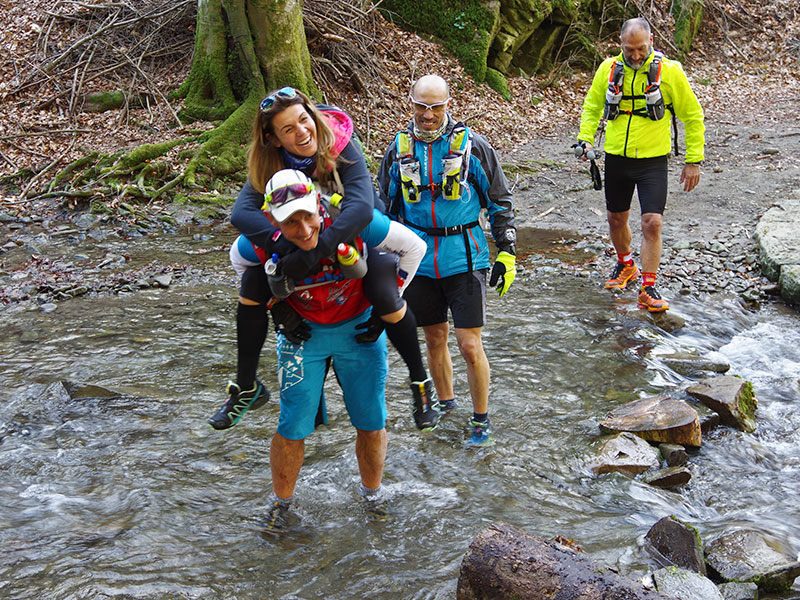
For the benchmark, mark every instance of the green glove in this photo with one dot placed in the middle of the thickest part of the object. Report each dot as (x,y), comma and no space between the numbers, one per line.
(504,270)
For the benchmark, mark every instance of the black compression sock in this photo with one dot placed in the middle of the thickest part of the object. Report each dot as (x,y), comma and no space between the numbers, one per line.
(403,336)
(251,332)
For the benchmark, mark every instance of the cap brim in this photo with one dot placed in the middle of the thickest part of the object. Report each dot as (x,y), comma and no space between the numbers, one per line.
(287,209)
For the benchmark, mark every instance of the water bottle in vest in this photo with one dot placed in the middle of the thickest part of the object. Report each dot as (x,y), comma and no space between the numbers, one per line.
(280,285)
(614,92)
(351,264)
(652,93)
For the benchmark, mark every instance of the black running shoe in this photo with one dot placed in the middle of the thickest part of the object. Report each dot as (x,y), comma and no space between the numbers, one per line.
(237,404)
(425,406)
(277,518)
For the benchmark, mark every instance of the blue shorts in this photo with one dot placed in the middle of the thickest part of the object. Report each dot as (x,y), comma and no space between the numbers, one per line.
(360,369)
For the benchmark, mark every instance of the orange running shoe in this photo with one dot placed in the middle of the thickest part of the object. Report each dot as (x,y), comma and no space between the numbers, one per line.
(650,299)
(621,276)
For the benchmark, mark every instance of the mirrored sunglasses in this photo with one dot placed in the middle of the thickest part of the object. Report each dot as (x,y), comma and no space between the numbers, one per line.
(280,195)
(435,107)
(286,92)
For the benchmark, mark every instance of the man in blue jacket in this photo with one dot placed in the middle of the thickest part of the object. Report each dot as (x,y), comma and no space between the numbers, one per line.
(437,177)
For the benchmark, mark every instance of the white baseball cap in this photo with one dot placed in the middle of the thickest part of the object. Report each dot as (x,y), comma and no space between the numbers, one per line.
(288,191)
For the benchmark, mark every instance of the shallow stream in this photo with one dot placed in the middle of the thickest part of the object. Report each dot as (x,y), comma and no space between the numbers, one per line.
(136,497)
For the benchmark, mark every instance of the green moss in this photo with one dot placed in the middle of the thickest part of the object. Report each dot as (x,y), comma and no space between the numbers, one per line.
(498,83)
(465,28)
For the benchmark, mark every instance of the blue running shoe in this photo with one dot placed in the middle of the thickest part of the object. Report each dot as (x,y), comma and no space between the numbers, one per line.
(445,406)
(237,404)
(481,434)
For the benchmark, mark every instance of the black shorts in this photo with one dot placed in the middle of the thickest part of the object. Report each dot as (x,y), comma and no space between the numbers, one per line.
(648,175)
(463,294)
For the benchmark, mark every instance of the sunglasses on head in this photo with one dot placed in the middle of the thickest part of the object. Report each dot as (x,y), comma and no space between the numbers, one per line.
(280,195)
(435,107)
(285,92)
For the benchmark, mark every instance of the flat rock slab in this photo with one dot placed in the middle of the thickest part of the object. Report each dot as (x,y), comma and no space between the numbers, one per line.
(657,419)
(625,453)
(747,556)
(686,363)
(670,477)
(739,591)
(685,585)
(778,242)
(678,543)
(731,397)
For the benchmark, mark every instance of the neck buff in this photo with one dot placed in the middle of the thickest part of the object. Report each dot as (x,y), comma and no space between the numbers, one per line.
(431,136)
(300,163)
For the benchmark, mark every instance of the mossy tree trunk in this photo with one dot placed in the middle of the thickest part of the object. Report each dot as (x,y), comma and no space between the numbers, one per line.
(242,49)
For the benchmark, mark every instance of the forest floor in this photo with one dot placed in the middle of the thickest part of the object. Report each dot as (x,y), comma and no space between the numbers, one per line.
(745,74)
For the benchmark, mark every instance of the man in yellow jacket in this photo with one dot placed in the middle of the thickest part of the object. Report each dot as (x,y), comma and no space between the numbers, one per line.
(638,91)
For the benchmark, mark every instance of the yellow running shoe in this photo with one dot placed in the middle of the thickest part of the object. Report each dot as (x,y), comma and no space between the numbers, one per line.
(650,299)
(621,276)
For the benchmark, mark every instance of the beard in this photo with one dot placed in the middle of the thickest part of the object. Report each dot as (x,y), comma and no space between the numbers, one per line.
(636,65)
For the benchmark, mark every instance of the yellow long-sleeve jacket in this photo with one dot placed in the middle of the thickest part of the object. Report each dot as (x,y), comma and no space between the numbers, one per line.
(634,136)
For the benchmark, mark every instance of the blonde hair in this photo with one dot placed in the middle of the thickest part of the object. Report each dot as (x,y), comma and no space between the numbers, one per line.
(265,159)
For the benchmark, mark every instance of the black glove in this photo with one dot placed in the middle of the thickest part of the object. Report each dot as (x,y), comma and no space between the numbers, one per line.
(373,329)
(300,264)
(289,323)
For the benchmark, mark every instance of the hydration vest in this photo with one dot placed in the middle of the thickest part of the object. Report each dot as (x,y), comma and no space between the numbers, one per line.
(455,166)
(654,101)
(456,177)
(654,109)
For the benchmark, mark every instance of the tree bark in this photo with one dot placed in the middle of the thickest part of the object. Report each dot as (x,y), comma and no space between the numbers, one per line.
(243,48)
(505,563)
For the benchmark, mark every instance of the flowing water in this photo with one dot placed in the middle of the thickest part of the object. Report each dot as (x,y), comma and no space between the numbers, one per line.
(136,497)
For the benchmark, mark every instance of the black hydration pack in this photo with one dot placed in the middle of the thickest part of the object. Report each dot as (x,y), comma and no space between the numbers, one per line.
(654,100)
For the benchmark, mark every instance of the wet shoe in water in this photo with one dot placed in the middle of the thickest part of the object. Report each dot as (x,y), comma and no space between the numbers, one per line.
(650,299)
(237,404)
(622,275)
(277,519)
(481,434)
(375,502)
(445,406)
(425,407)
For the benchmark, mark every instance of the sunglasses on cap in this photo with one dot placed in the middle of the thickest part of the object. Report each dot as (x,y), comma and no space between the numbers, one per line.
(281,195)
(436,107)
(285,92)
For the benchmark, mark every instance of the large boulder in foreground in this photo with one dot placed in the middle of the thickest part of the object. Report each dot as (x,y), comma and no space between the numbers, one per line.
(748,556)
(657,419)
(779,247)
(731,397)
(504,562)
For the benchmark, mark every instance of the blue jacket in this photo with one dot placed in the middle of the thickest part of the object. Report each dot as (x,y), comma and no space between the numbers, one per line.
(457,252)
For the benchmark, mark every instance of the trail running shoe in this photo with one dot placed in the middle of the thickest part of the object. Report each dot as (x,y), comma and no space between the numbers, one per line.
(650,299)
(376,504)
(277,518)
(425,407)
(481,434)
(237,404)
(621,276)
